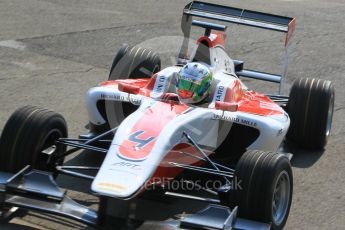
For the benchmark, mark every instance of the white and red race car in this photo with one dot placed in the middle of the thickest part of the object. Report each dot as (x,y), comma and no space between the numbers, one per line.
(150,138)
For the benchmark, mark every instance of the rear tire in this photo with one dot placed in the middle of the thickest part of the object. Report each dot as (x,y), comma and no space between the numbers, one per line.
(129,63)
(310,108)
(27,132)
(134,62)
(258,175)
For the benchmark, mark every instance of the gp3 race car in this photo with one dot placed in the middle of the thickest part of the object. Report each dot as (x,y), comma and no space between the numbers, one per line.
(150,138)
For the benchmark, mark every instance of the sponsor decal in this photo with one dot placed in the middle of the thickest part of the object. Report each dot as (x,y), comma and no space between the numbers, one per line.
(160,84)
(128,165)
(247,122)
(234,118)
(220,93)
(116,97)
(133,100)
(111,187)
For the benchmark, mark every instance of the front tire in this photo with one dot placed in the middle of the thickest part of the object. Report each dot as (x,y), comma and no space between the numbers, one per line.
(28,131)
(310,107)
(265,185)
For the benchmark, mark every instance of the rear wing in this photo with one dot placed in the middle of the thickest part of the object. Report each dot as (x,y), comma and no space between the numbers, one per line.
(238,16)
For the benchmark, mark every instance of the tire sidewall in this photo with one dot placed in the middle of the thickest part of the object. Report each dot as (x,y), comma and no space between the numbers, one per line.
(129,63)
(281,165)
(57,124)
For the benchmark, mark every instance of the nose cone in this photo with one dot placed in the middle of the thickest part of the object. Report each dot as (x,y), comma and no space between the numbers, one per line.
(136,151)
(120,184)
(119,177)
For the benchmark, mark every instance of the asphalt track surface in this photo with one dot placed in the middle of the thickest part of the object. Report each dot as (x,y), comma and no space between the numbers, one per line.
(52,51)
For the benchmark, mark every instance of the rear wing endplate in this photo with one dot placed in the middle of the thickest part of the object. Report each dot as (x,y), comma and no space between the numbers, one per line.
(238,16)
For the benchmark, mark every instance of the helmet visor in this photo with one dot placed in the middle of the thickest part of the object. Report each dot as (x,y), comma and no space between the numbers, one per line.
(187,85)
(186,88)
(184,93)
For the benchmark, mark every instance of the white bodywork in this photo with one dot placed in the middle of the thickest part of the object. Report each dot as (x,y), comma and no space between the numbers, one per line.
(123,178)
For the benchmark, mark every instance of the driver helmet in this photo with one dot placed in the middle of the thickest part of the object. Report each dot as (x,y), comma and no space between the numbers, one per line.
(193,83)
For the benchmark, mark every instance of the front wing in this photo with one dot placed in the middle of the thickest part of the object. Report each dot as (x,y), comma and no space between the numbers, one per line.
(36,190)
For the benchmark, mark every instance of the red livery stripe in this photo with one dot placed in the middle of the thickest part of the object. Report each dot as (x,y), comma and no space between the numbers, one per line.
(151,124)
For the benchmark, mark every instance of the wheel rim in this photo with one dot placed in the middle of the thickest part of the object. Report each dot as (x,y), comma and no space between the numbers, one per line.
(50,140)
(330,116)
(281,198)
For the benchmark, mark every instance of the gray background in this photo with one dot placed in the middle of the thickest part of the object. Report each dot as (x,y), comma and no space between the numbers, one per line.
(52,51)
